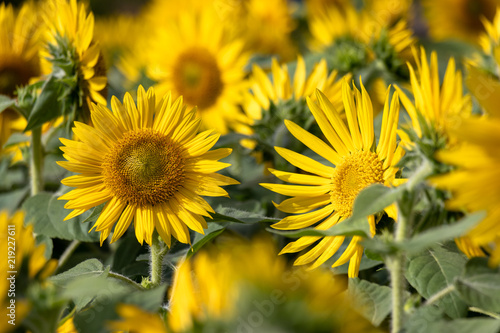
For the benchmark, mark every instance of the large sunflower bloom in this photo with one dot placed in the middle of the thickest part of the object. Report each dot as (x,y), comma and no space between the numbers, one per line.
(192,56)
(148,164)
(439,105)
(325,196)
(70,20)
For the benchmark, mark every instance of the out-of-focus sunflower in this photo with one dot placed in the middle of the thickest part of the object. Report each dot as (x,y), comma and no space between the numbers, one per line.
(440,105)
(325,195)
(459,19)
(135,319)
(388,11)
(148,163)
(20,42)
(266,27)
(222,285)
(347,35)
(68,20)
(193,57)
(315,7)
(489,40)
(18,245)
(116,35)
(473,184)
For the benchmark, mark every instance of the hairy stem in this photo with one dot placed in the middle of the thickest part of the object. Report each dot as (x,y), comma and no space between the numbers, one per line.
(67,253)
(36,164)
(157,252)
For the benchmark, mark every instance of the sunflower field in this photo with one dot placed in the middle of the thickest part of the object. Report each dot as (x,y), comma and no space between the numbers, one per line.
(250,166)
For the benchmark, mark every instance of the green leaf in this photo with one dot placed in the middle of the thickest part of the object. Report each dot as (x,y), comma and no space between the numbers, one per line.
(47,105)
(373,301)
(6,102)
(483,325)
(479,286)
(213,230)
(15,139)
(95,214)
(420,319)
(433,270)
(46,213)
(227,214)
(440,234)
(358,227)
(11,200)
(90,267)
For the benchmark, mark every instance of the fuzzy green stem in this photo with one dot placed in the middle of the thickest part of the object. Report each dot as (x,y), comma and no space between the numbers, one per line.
(398,282)
(67,253)
(157,251)
(126,280)
(36,164)
(488,313)
(440,294)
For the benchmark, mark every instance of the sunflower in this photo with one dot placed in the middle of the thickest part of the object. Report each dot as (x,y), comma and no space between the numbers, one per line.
(281,89)
(13,234)
(389,11)
(439,105)
(148,164)
(215,285)
(473,184)
(20,41)
(70,21)
(346,23)
(458,18)
(136,319)
(489,40)
(266,27)
(192,56)
(325,195)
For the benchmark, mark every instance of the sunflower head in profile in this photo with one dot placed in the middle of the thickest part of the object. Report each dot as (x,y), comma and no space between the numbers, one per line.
(148,163)
(193,56)
(435,105)
(458,19)
(71,34)
(20,41)
(324,194)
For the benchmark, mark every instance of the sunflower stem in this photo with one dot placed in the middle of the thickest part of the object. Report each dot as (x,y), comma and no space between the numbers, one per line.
(398,281)
(36,164)
(158,251)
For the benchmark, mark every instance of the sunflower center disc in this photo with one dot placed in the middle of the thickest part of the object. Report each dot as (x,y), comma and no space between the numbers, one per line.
(356,172)
(144,167)
(15,72)
(197,77)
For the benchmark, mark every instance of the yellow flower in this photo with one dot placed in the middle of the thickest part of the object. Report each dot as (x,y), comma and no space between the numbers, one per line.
(458,18)
(18,245)
(70,20)
(20,41)
(325,195)
(389,11)
(473,185)
(266,26)
(336,23)
(282,88)
(137,320)
(192,56)
(439,105)
(148,164)
(226,284)
(490,39)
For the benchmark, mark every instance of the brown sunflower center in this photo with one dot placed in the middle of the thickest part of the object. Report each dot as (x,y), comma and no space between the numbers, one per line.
(356,172)
(197,77)
(15,72)
(144,167)
(475,10)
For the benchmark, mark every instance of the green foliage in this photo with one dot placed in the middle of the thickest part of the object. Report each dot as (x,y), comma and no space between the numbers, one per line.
(433,270)
(371,299)
(46,213)
(479,285)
